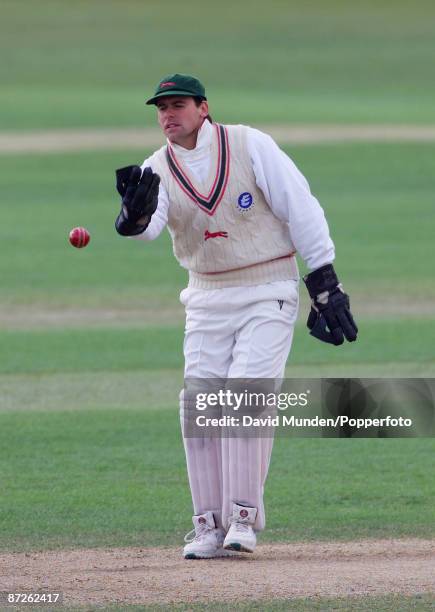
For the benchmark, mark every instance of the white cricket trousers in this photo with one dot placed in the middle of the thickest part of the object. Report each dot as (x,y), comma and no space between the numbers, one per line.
(235,332)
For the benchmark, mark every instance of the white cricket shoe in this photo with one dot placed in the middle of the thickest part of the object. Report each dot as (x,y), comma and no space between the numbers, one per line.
(206,540)
(241,536)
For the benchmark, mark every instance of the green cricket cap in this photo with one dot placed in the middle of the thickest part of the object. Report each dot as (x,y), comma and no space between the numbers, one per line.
(178,85)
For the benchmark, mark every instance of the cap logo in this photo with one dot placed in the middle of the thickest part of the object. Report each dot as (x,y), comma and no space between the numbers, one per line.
(243,513)
(202,520)
(167,84)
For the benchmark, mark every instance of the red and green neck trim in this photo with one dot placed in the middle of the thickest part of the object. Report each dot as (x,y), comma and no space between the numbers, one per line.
(208,203)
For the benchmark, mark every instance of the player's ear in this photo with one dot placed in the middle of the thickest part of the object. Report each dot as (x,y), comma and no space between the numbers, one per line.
(204,108)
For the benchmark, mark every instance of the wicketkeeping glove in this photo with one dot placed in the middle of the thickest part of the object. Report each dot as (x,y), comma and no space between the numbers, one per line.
(330,319)
(140,192)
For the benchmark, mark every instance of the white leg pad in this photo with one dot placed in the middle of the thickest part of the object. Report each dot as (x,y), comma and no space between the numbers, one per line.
(245,463)
(204,468)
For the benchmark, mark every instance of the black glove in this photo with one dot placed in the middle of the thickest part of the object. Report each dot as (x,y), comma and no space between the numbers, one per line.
(330,318)
(139,199)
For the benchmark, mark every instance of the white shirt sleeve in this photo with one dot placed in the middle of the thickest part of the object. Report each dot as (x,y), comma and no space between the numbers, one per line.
(159,219)
(288,194)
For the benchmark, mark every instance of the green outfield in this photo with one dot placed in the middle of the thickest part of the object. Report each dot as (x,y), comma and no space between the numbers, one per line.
(378,199)
(391,603)
(90,399)
(93,63)
(117,478)
(91,357)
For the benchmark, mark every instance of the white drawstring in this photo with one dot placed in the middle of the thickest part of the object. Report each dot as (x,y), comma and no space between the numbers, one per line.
(192,535)
(188,538)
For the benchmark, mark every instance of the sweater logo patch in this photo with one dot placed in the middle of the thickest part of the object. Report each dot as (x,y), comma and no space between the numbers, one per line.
(245,200)
(208,235)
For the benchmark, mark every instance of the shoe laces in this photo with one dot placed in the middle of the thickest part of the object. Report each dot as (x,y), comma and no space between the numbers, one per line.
(197,534)
(240,527)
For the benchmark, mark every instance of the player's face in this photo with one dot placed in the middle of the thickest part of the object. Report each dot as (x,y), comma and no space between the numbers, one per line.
(180,119)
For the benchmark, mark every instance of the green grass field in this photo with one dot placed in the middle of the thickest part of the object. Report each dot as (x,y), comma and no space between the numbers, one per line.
(114,478)
(390,603)
(89,402)
(91,341)
(378,200)
(89,63)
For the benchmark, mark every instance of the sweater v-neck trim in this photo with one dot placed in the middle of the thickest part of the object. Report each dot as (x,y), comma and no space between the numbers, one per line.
(207,202)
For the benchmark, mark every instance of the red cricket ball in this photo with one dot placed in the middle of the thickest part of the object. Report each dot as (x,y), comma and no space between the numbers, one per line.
(79,237)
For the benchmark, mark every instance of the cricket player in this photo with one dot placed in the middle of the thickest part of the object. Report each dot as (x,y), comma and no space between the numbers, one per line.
(238,210)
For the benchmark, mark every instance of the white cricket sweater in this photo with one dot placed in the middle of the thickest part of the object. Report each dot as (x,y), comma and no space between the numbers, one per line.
(234,238)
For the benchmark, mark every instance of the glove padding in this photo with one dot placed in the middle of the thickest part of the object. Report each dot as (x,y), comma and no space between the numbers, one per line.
(139,191)
(330,319)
